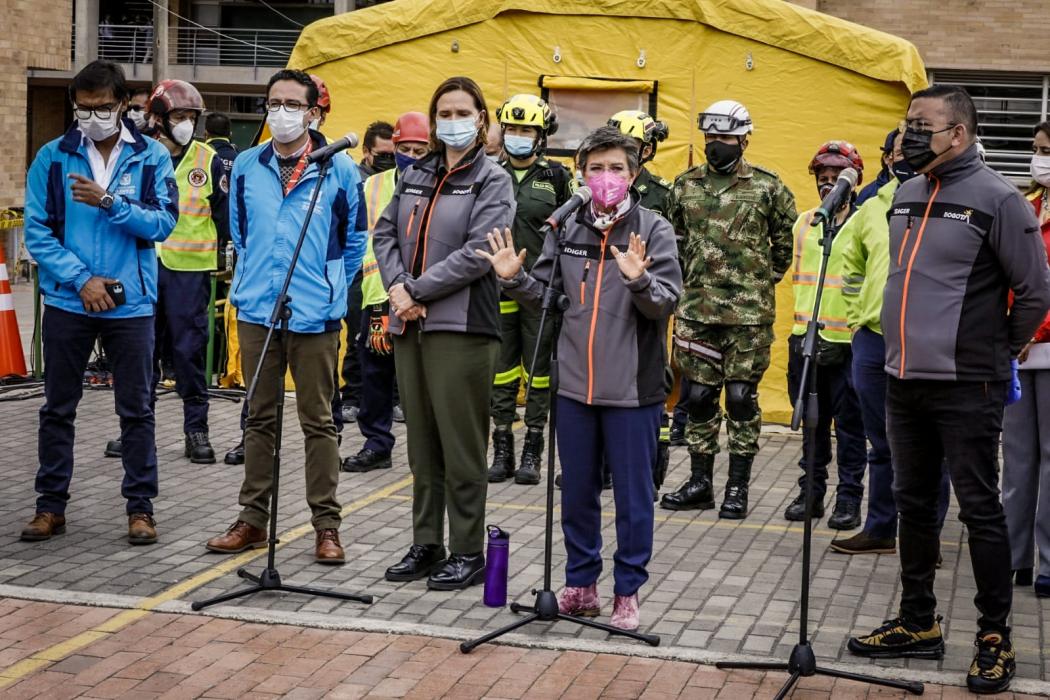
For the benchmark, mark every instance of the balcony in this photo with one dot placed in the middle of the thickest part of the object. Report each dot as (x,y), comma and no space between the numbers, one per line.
(194,46)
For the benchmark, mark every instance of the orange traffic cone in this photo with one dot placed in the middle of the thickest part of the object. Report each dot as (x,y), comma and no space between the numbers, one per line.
(12,361)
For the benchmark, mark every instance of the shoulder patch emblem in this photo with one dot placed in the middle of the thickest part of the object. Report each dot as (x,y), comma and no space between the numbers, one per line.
(197,177)
(543,185)
(224,184)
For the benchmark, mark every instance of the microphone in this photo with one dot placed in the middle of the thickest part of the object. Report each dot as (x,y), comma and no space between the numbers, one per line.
(578,199)
(838,196)
(326,152)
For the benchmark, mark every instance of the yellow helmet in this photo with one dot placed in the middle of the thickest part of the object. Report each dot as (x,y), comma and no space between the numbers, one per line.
(639,125)
(528,110)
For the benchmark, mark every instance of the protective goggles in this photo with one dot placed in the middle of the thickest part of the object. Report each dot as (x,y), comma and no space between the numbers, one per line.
(722,123)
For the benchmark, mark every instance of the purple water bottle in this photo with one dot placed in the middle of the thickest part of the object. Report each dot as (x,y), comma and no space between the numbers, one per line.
(496,567)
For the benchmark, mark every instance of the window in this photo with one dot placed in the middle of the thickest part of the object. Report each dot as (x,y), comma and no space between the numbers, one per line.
(584,104)
(1009,105)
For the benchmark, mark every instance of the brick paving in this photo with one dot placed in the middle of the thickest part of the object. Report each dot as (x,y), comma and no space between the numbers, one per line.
(717,589)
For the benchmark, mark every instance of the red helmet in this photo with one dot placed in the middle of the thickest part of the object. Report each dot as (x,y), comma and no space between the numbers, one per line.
(174,94)
(838,154)
(412,126)
(324,98)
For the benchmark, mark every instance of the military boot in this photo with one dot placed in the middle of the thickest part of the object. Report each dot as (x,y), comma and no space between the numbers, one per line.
(529,473)
(734,505)
(502,454)
(695,494)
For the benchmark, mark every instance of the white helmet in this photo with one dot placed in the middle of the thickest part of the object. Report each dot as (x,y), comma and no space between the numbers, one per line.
(725,117)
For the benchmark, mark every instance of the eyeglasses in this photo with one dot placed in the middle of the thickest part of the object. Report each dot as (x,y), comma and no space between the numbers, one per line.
(101,111)
(288,105)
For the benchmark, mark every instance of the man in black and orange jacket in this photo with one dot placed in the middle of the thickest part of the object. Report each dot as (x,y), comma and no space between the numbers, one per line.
(962,238)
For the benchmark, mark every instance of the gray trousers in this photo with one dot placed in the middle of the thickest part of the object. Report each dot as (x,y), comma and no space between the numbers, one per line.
(1026,471)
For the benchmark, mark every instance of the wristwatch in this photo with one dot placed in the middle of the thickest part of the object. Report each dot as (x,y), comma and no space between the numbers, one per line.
(106,201)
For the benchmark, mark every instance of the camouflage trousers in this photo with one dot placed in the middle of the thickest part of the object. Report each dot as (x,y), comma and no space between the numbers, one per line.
(713,355)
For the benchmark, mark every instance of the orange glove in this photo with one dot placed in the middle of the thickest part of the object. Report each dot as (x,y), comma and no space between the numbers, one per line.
(379,331)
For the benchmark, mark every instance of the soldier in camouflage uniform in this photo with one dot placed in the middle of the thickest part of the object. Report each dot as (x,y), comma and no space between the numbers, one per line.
(734,221)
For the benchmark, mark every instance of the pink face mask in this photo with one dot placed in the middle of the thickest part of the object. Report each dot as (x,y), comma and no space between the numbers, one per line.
(608,188)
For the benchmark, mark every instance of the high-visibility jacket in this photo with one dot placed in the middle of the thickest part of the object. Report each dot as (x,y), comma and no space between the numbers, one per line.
(805,269)
(379,190)
(194,244)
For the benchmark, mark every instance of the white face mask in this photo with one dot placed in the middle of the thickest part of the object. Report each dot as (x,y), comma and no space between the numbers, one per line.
(1040,169)
(138,118)
(315,124)
(182,133)
(98,129)
(285,126)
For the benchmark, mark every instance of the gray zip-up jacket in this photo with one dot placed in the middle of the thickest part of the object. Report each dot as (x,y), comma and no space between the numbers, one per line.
(962,238)
(612,349)
(427,235)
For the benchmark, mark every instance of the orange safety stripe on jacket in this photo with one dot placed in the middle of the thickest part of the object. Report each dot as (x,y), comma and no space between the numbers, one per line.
(907,273)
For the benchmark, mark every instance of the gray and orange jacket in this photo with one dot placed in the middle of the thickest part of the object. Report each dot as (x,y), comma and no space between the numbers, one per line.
(427,235)
(961,238)
(612,349)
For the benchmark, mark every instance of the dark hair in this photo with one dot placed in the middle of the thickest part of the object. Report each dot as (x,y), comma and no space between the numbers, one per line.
(377,130)
(1043,127)
(607,138)
(961,109)
(97,76)
(296,76)
(217,124)
(135,92)
(471,88)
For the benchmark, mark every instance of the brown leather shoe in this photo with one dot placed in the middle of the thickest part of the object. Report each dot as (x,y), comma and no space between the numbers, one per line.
(328,549)
(42,526)
(239,537)
(142,529)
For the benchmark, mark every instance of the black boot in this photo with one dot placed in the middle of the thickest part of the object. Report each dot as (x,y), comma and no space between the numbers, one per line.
(502,454)
(114,448)
(236,455)
(695,494)
(529,472)
(458,572)
(734,505)
(421,560)
(198,448)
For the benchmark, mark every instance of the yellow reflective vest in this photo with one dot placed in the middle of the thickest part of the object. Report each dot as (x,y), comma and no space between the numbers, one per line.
(805,269)
(379,189)
(194,243)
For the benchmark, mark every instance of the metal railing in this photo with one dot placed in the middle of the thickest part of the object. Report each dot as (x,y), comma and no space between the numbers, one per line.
(196,46)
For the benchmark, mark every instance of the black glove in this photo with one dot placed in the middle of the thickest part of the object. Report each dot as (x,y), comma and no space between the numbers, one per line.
(829,354)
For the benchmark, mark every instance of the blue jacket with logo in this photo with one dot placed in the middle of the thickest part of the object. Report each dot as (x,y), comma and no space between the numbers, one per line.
(265,227)
(73,242)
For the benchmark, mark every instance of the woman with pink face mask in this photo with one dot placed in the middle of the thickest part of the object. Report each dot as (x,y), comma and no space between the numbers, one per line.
(619,271)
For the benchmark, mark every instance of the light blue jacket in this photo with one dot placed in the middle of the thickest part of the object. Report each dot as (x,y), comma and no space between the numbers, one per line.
(73,242)
(265,227)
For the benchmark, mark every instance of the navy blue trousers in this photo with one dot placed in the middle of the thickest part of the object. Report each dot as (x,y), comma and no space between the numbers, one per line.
(128,343)
(182,328)
(837,401)
(376,393)
(869,380)
(626,437)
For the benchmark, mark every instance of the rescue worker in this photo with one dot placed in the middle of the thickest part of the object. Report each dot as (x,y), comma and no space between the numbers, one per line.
(375,348)
(885,174)
(187,259)
(217,135)
(733,220)
(540,187)
(834,361)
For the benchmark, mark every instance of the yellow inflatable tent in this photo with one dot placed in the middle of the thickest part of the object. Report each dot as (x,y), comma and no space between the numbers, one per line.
(806,78)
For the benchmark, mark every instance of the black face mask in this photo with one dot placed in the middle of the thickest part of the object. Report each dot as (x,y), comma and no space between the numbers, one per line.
(723,157)
(902,171)
(383,161)
(916,147)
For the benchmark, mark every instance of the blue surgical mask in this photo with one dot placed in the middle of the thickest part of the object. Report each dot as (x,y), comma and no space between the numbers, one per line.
(457,133)
(519,146)
(402,161)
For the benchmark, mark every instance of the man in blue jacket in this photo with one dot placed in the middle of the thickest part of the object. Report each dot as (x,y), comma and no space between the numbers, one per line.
(98,199)
(270,192)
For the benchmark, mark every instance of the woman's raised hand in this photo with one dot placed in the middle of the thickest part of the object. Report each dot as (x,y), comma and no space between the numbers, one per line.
(633,262)
(503,259)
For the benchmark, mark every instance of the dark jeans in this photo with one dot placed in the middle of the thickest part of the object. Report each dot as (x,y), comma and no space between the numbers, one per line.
(128,343)
(957,422)
(351,391)
(836,401)
(182,327)
(377,394)
(626,439)
(869,381)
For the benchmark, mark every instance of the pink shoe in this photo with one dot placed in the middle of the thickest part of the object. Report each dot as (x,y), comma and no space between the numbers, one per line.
(625,612)
(580,601)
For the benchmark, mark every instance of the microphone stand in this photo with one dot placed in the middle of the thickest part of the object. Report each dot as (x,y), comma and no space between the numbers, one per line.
(545,608)
(270,578)
(802,663)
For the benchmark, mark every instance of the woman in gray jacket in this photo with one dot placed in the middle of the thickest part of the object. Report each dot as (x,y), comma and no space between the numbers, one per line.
(445,330)
(619,270)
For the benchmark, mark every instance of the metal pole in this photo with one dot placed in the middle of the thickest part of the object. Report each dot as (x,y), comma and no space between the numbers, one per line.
(160,40)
